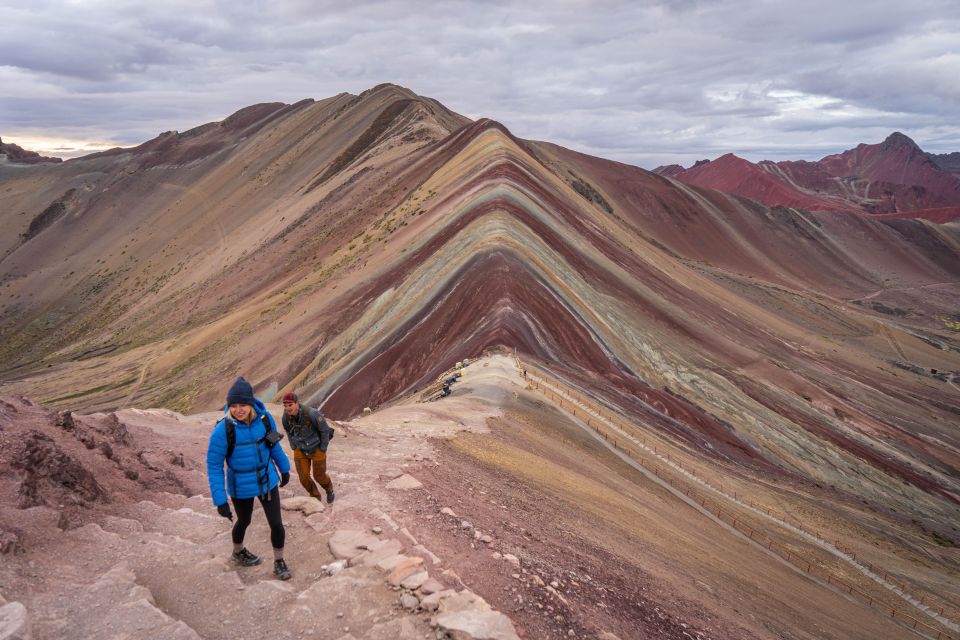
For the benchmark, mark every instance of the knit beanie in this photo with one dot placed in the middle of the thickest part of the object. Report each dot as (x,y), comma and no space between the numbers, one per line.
(241,393)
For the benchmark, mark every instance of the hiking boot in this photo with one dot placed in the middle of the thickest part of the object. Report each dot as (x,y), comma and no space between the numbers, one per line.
(330,496)
(280,570)
(244,558)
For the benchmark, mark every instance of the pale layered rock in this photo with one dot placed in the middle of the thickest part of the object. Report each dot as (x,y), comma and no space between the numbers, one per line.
(347,543)
(267,594)
(305,504)
(401,629)
(463,601)
(404,570)
(317,522)
(473,624)
(381,550)
(414,581)
(14,622)
(432,601)
(406,481)
(133,610)
(432,585)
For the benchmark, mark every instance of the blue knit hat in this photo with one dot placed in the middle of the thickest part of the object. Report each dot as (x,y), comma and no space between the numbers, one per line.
(241,393)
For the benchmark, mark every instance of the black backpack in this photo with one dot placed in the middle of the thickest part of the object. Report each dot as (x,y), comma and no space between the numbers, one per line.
(319,420)
(272,437)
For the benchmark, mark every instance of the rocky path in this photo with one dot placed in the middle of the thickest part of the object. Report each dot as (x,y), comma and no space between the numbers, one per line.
(160,567)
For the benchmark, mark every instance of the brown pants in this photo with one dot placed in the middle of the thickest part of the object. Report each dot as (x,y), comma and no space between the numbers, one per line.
(318,460)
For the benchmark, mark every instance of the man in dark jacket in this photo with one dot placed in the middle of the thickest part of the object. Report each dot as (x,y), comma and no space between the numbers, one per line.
(309,436)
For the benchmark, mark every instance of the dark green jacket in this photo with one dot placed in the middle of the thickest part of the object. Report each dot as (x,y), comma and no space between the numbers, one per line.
(308,430)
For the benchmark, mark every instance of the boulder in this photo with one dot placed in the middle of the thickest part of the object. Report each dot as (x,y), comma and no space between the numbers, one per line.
(409,601)
(14,622)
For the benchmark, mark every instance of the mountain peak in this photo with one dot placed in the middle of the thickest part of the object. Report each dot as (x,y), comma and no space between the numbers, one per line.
(898,140)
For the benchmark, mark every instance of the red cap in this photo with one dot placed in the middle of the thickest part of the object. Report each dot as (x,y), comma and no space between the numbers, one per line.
(290,396)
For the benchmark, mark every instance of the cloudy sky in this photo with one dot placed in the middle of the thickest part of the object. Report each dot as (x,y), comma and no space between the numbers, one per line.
(644,82)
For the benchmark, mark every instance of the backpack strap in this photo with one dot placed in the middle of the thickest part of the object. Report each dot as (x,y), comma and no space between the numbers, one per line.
(231,437)
(232,434)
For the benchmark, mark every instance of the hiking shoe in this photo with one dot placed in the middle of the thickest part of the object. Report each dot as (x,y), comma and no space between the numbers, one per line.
(244,558)
(280,570)
(330,496)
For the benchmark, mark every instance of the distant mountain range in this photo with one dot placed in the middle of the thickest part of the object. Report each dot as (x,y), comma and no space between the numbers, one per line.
(894,177)
(18,155)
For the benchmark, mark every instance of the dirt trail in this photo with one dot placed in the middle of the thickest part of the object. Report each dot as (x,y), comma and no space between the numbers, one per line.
(160,568)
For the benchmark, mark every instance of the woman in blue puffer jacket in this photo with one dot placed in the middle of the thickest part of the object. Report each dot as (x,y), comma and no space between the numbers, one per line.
(251,472)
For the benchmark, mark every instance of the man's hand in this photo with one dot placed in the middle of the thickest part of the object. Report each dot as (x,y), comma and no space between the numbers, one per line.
(284,478)
(224,510)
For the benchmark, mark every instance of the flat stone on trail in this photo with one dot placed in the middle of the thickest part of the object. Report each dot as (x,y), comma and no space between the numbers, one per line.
(406,568)
(406,481)
(347,543)
(415,580)
(476,625)
(14,622)
(432,601)
(305,504)
(383,549)
(431,586)
(463,601)
(390,474)
(447,511)
(317,522)
(388,563)
(405,628)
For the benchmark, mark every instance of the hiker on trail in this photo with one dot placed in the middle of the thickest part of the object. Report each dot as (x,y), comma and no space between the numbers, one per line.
(309,436)
(247,440)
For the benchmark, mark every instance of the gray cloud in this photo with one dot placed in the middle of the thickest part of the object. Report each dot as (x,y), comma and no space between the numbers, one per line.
(642,82)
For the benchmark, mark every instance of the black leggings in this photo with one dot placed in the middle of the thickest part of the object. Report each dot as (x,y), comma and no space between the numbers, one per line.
(271,507)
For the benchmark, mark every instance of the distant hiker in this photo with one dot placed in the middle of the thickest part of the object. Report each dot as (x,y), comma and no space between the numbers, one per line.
(309,436)
(247,440)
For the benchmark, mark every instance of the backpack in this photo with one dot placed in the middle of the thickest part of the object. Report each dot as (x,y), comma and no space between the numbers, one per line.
(319,420)
(271,436)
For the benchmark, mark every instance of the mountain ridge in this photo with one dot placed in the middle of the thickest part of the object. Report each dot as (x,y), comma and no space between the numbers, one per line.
(894,176)
(354,249)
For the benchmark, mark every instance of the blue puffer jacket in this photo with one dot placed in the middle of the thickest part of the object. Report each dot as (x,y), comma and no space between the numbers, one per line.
(249,470)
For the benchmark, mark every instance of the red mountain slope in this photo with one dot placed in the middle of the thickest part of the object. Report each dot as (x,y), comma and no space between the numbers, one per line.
(895,176)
